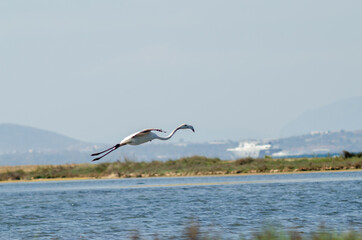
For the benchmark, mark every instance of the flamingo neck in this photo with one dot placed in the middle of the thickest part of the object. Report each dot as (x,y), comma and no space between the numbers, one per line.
(169,136)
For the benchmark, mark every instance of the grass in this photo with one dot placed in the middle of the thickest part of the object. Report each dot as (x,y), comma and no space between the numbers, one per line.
(189,166)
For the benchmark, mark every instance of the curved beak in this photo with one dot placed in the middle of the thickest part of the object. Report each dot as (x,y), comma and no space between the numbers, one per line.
(192,128)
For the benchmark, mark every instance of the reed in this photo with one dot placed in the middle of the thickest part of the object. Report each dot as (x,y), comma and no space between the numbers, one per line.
(272,233)
(193,231)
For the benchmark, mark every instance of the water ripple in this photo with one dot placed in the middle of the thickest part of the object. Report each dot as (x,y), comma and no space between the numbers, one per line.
(163,207)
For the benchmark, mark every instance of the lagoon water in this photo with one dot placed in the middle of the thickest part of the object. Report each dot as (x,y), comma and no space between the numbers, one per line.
(228,206)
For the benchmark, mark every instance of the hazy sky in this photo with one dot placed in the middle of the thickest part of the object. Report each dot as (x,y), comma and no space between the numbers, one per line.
(100,70)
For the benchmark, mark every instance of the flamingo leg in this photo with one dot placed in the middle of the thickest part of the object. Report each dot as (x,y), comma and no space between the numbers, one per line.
(95,154)
(109,151)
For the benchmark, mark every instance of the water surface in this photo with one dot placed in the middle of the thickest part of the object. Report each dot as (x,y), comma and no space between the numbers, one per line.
(163,207)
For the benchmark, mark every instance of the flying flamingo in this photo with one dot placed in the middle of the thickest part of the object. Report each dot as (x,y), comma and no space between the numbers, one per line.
(141,137)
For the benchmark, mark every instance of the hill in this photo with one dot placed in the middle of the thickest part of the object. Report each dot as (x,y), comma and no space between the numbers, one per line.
(345,114)
(319,143)
(20,139)
(22,145)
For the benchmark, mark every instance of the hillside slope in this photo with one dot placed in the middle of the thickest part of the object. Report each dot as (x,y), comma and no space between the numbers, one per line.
(321,142)
(20,139)
(345,114)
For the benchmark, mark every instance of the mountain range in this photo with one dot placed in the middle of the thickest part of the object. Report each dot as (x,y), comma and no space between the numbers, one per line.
(22,145)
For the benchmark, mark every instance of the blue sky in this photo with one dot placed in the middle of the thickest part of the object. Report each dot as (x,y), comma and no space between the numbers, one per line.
(100,70)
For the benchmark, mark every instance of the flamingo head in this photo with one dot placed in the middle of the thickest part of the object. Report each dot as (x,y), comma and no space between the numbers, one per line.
(186,126)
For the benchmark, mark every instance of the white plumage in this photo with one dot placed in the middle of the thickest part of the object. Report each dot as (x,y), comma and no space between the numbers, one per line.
(141,137)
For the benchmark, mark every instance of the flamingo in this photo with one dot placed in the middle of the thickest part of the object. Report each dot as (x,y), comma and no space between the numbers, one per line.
(141,137)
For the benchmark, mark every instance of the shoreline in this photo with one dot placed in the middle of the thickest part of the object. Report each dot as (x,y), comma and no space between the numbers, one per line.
(171,176)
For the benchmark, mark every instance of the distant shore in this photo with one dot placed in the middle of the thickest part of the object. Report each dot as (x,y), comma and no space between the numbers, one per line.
(191,166)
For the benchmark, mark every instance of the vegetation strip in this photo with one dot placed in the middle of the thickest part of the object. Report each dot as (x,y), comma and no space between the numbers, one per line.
(190,166)
(194,231)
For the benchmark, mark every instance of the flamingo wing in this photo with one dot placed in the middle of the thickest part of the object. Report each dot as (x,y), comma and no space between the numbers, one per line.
(146,131)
